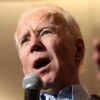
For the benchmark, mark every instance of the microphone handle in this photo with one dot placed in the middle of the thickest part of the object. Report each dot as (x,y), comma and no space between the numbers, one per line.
(32,94)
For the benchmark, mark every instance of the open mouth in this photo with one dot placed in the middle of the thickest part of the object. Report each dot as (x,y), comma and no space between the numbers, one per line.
(41,62)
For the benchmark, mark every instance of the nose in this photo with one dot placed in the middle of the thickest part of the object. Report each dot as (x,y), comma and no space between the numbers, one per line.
(37,45)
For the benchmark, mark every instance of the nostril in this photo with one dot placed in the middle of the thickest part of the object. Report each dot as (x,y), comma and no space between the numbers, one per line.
(38,47)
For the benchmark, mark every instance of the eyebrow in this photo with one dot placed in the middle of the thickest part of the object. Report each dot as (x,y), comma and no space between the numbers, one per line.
(47,26)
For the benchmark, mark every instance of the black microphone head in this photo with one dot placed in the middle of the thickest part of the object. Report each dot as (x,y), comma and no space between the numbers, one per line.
(32,81)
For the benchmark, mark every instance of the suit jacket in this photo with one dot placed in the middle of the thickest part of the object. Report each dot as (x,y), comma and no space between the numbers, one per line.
(95,97)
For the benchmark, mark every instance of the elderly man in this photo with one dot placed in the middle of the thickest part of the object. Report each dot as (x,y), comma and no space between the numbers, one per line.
(51,46)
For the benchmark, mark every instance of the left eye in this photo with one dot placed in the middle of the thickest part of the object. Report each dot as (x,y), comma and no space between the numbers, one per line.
(46,32)
(24,41)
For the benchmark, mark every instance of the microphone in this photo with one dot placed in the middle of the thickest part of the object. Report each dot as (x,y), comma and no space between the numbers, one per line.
(32,85)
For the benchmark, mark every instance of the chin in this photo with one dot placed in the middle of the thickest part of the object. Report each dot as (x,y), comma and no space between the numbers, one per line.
(48,84)
(49,80)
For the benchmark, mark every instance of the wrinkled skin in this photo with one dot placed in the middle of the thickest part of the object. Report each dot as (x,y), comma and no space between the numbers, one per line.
(42,35)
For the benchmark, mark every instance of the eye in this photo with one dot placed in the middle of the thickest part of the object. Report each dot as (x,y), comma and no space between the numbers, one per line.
(24,41)
(46,31)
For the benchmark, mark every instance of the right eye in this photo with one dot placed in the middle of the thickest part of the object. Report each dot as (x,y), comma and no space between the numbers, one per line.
(24,41)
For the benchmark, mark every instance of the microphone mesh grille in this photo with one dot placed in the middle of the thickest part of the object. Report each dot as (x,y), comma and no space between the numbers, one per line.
(32,82)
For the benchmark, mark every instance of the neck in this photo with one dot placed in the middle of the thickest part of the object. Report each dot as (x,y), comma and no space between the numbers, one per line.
(54,89)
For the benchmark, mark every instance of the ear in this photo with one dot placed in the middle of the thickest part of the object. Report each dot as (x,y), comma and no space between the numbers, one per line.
(80,49)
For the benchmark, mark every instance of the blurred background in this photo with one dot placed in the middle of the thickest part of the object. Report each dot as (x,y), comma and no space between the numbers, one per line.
(86,13)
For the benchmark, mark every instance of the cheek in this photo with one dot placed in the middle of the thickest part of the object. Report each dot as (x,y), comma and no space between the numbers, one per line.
(65,53)
(25,62)
(51,43)
(23,55)
(56,51)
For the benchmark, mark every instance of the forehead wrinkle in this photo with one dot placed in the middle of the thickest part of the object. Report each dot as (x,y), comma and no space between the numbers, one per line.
(42,13)
(37,12)
(22,28)
(50,17)
(43,16)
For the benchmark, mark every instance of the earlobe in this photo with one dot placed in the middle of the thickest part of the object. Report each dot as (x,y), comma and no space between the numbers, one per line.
(80,49)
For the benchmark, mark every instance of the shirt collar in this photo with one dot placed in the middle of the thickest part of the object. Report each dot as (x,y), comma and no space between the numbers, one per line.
(65,93)
(74,92)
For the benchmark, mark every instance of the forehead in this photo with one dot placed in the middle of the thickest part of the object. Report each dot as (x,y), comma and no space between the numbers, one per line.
(39,18)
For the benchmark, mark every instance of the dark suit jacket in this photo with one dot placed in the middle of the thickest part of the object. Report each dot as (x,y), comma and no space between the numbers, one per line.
(95,97)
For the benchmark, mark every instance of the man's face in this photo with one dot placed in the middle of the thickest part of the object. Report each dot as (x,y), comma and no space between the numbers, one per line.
(96,54)
(45,48)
